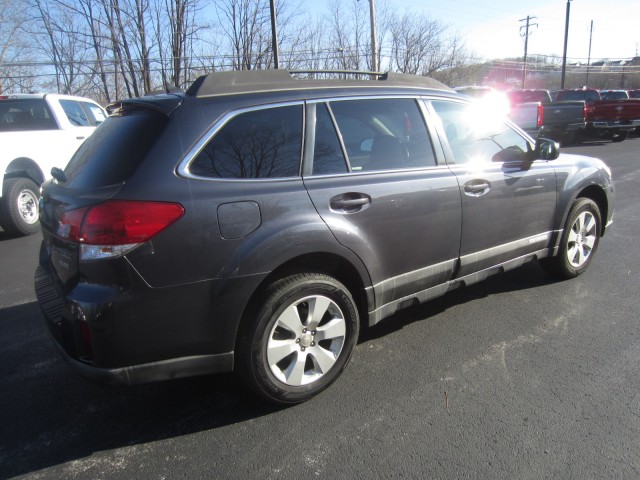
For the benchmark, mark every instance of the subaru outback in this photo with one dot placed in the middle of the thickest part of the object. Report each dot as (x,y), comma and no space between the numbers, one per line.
(256,221)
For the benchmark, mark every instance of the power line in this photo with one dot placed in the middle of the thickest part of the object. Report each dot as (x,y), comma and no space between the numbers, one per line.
(526,43)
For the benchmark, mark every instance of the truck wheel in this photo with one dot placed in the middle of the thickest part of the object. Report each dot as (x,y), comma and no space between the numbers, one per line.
(19,206)
(579,241)
(619,136)
(304,332)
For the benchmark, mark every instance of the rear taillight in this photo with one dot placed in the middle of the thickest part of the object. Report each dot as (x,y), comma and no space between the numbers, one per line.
(540,116)
(115,227)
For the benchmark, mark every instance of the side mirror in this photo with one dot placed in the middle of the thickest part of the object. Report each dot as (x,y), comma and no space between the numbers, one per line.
(547,149)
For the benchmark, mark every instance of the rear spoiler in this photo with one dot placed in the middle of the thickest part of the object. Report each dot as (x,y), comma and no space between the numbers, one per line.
(164,104)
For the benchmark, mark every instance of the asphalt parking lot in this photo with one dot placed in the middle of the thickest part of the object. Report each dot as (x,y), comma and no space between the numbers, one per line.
(516,377)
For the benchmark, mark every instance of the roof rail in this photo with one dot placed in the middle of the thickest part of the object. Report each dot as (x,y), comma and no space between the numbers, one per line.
(338,72)
(253,81)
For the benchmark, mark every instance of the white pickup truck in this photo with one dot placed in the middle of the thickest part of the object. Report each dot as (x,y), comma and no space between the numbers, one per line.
(37,132)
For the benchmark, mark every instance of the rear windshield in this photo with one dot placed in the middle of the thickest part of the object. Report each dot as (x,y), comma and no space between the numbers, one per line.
(529,96)
(587,95)
(614,95)
(25,114)
(114,151)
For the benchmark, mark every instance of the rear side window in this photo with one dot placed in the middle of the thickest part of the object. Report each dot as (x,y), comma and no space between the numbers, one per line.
(25,114)
(265,143)
(114,151)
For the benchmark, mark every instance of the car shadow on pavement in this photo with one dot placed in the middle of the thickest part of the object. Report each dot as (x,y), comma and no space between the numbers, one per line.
(529,276)
(51,416)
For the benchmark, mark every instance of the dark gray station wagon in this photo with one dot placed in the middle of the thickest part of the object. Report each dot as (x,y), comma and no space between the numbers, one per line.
(254,223)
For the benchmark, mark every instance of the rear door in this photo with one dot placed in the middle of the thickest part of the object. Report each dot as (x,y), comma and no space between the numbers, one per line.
(374,177)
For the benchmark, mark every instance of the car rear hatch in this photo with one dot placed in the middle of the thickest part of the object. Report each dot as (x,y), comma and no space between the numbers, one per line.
(93,176)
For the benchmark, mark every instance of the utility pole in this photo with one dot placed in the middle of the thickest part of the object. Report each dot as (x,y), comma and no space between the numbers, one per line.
(526,43)
(586,82)
(374,47)
(566,38)
(274,33)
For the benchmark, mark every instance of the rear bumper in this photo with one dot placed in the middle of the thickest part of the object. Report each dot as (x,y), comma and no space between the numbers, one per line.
(620,124)
(123,337)
(152,372)
(562,128)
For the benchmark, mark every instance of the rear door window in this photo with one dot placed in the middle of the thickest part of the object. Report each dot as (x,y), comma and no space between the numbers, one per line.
(263,143)
(328,157)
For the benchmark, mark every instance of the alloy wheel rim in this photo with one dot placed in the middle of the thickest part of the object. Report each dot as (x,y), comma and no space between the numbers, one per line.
(306,340)
(582,239)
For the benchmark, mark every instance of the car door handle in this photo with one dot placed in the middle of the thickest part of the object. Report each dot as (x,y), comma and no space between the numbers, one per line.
(476,188)
(350,202)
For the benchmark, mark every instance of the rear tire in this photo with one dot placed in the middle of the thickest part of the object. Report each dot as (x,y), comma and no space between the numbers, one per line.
(579,241)
(19,206)
(619,136)
(300,339)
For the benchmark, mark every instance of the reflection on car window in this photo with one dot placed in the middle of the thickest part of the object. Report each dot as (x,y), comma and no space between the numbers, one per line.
(263,143)
(75,113)
(383,134)
(475,137)
(95,111)
(327,154)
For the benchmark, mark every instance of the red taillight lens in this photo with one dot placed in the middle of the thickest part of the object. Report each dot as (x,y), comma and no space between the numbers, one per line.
(70,223)
(540,115)
(118,222)
(125,222)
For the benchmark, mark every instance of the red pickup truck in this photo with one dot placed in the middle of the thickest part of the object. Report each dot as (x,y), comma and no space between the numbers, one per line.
(613,119)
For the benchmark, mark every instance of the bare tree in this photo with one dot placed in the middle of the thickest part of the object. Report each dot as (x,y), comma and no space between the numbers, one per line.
(349,37)
(15,71)
(246,26)
(182,28)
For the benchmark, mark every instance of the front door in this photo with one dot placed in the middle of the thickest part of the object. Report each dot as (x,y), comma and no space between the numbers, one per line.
(508,201)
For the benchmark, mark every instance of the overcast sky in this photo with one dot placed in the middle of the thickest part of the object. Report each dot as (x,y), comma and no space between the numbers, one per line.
(492,27)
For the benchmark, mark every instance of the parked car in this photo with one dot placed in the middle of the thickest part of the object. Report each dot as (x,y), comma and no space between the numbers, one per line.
(257,221)
(538,115)
(517,97)
(37,132)
(613,119)
(614,94)
(492,100)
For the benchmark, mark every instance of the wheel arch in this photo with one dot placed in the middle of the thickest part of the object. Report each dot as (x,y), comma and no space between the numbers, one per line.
(323,262)
(595,193)
(24,167)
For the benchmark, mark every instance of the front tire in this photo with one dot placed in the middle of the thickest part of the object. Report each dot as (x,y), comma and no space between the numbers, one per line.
(300,340)
(579,241)
(19,206)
